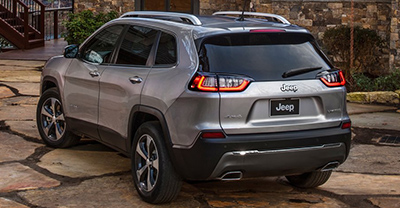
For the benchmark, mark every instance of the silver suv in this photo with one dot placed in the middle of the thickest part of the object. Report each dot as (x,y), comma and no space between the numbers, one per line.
(200,98)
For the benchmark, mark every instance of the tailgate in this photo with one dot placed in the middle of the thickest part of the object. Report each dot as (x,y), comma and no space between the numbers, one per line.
(279,106)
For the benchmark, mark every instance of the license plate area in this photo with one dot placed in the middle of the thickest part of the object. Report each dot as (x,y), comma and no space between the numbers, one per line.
(285,107)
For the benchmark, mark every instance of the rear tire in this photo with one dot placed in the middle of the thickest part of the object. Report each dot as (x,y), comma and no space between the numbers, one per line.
(309,180)
(51,123)
(155,179)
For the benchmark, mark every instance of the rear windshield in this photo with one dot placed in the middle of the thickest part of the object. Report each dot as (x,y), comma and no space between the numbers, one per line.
(262,56)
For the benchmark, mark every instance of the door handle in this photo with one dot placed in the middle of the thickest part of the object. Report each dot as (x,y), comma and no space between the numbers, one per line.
(94,73)
(135,80)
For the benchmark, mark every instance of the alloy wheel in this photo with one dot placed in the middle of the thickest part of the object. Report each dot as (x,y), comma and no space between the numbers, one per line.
(146,163)
(52,119)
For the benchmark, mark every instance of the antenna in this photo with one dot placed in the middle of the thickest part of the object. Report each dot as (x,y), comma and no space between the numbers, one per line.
(241,18)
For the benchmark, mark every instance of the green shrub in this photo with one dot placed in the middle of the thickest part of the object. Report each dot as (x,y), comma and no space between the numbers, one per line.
(82,24)
(362,83)
(388,82)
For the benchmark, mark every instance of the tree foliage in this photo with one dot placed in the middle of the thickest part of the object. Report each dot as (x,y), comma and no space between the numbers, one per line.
(82,24)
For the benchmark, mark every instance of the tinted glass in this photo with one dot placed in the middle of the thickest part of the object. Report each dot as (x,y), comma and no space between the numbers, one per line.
(262,56)
(166,52)
(136,46)
(100,47)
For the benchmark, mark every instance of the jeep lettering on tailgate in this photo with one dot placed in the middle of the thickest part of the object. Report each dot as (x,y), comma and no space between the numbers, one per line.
(287,88)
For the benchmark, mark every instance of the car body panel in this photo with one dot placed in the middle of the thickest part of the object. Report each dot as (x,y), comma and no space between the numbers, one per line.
(54,71)
(190,114)
(117,97)
(81,94)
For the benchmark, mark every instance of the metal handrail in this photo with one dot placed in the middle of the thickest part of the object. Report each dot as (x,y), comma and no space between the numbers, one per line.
(258,14)
(150,14)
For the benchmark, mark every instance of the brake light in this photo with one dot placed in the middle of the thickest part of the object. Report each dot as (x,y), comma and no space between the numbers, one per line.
(266,31)
(333,79)
(221,83)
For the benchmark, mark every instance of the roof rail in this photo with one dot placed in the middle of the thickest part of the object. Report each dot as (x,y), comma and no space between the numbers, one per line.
(185,18)
(258,14)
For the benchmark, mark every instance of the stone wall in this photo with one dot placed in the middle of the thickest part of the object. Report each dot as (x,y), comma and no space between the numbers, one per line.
(120,6)
(394,58)
(208,7)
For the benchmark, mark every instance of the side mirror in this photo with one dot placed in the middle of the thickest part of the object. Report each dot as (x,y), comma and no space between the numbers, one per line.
(71,51)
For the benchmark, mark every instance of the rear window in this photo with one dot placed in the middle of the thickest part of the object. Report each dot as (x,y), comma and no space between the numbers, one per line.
(166,52)
(262,56)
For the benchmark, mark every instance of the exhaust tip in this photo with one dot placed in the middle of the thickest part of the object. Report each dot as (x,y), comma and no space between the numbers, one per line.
(330,166)
(232,176)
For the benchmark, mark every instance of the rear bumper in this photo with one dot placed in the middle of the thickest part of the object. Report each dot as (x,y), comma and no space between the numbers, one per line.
(279,162)
(269,154)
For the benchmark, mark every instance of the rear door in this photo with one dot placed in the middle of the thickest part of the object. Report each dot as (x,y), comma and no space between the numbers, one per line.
(274,102)
(121,84)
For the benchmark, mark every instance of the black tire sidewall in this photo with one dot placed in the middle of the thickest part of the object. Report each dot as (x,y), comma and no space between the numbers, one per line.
(152,129)
(310,179)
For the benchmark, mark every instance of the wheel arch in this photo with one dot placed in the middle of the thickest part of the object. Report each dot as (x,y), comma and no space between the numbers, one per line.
(47,83)
(140,114)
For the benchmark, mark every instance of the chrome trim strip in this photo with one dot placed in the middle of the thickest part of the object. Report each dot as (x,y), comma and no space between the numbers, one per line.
(259,14)
(149,14)
(252,152)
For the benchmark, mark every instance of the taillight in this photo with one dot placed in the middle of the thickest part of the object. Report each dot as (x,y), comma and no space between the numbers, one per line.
(333,79)
(205,83)
(221,83)
(232,84)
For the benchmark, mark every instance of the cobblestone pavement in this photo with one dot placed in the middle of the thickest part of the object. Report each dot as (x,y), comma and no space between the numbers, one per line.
(92,175)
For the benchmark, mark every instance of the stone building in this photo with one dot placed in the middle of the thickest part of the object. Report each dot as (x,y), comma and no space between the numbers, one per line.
(382,16)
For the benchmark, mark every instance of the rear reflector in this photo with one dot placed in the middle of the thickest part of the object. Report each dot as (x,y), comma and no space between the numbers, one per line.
(212,135)
(266,31)
(346,125)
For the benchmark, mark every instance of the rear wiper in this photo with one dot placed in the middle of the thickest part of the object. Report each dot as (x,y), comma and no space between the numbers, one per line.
(294,72)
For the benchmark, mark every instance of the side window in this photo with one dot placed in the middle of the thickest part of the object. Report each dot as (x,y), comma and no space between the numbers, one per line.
(136,46)
(101,46)
(166,52)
